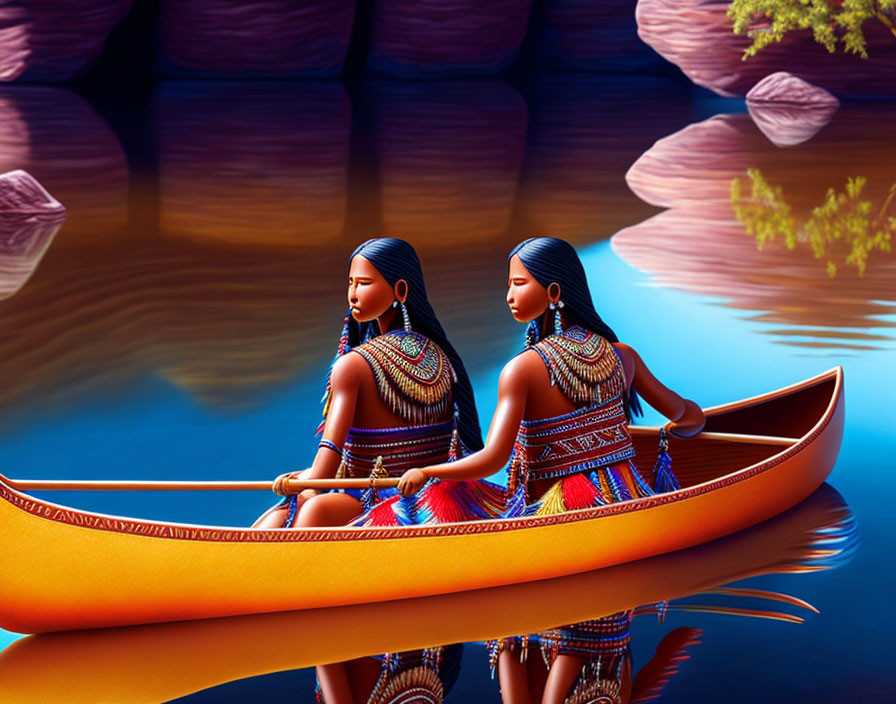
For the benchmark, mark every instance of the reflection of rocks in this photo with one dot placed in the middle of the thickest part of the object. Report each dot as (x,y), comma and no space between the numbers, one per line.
(700,246)
(788,110)
(471,37)
(22,197)
(67,147)
(29,218)
(589,36)
(52,41)
(262,163)
(585,133)
(265,37)
(449,157)
(696,36)
(789,125)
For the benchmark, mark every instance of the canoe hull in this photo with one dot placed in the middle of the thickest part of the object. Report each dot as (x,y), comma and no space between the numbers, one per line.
(65,569)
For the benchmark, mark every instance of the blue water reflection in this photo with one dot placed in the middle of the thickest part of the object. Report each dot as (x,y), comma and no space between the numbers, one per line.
(231,330)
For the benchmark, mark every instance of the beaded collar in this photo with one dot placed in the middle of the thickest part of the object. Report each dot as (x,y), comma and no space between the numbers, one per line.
(413,375)
(583,364)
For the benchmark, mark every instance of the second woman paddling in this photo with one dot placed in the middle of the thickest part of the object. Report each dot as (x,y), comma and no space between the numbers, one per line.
(564,405)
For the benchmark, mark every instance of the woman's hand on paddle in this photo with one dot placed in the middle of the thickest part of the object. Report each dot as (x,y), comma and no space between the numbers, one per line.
(411,482)
(281,483)
(690,423)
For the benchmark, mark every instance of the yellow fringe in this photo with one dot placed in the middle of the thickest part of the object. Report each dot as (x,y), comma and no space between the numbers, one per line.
(604,486)
(552,501)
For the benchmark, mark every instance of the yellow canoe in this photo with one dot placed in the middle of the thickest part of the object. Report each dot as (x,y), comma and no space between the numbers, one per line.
(159,662)
(68,569)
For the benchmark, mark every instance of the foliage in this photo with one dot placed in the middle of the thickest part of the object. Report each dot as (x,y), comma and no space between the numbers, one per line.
(831,21)
(842,225)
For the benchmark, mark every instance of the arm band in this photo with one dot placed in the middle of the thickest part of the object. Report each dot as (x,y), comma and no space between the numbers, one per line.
(330,446)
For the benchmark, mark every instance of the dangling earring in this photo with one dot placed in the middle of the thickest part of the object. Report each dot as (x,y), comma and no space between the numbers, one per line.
(558,317)
(531,333)
(405,317)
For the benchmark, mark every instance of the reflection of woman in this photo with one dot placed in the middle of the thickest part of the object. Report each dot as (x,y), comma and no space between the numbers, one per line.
(398,395)
(591,662)
(563,409)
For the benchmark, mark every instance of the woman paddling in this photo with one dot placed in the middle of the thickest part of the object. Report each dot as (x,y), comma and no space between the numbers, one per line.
(563,410)
(398,395)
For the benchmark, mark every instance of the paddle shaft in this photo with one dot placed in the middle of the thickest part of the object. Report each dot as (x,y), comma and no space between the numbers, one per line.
(722,437)
(295,485)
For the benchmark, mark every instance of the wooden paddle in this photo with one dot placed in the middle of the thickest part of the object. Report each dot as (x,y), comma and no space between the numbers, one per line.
(721,437)
(294,485)
(297,485)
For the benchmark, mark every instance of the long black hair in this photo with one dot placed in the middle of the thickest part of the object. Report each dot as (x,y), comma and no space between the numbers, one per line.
(395,259)
(552,260)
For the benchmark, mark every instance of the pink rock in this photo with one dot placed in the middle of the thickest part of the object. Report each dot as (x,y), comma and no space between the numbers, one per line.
(784,88)
(788,110)
(46,41)
(253,163)
(700,246)
(55,136)
(409,37)
(29,219)
(449,158)
(272,37)
(696,36)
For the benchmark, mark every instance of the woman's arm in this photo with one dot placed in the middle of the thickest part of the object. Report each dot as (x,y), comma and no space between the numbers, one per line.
(345,381)
(686,416)
(513,390)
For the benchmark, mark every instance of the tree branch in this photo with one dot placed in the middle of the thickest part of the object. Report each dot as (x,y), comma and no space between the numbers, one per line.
(887,21)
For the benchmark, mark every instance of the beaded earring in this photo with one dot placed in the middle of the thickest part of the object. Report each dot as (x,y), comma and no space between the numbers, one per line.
(406,320)
(558,317)
(531,333)
(405,317)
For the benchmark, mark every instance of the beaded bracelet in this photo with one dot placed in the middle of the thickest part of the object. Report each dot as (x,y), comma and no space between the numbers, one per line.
(330,446)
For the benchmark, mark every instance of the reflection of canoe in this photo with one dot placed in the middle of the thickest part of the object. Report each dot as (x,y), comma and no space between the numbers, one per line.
(65,568)
(159,662)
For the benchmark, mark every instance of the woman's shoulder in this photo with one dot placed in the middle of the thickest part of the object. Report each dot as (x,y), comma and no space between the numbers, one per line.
(349,368)
(524,369)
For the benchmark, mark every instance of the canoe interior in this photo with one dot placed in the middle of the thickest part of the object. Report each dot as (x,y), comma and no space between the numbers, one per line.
(698,460)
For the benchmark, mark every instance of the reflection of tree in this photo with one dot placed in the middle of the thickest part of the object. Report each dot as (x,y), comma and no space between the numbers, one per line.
(767,21)
(842,226)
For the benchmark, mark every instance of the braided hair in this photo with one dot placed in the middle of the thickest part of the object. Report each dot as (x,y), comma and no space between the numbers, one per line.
(395,259)
(552,260)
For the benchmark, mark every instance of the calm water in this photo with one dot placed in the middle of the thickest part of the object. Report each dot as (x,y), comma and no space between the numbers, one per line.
(180,322)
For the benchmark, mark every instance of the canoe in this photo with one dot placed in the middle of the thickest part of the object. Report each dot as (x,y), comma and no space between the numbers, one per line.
(159,662)
(68,569)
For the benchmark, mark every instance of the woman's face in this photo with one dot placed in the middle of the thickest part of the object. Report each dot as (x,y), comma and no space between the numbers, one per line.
(369,294)
(526,297)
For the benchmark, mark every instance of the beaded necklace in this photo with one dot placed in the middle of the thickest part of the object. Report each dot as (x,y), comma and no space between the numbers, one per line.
(583,364)
(413,375)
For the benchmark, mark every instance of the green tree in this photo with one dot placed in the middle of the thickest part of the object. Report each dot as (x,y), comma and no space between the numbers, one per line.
(831,21)
(843,226)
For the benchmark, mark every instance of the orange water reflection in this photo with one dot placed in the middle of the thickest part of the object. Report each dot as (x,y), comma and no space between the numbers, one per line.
(220,267)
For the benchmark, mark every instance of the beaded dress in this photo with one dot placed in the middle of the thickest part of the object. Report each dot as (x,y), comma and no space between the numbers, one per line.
(414,378)
(586,455)
(585,458)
